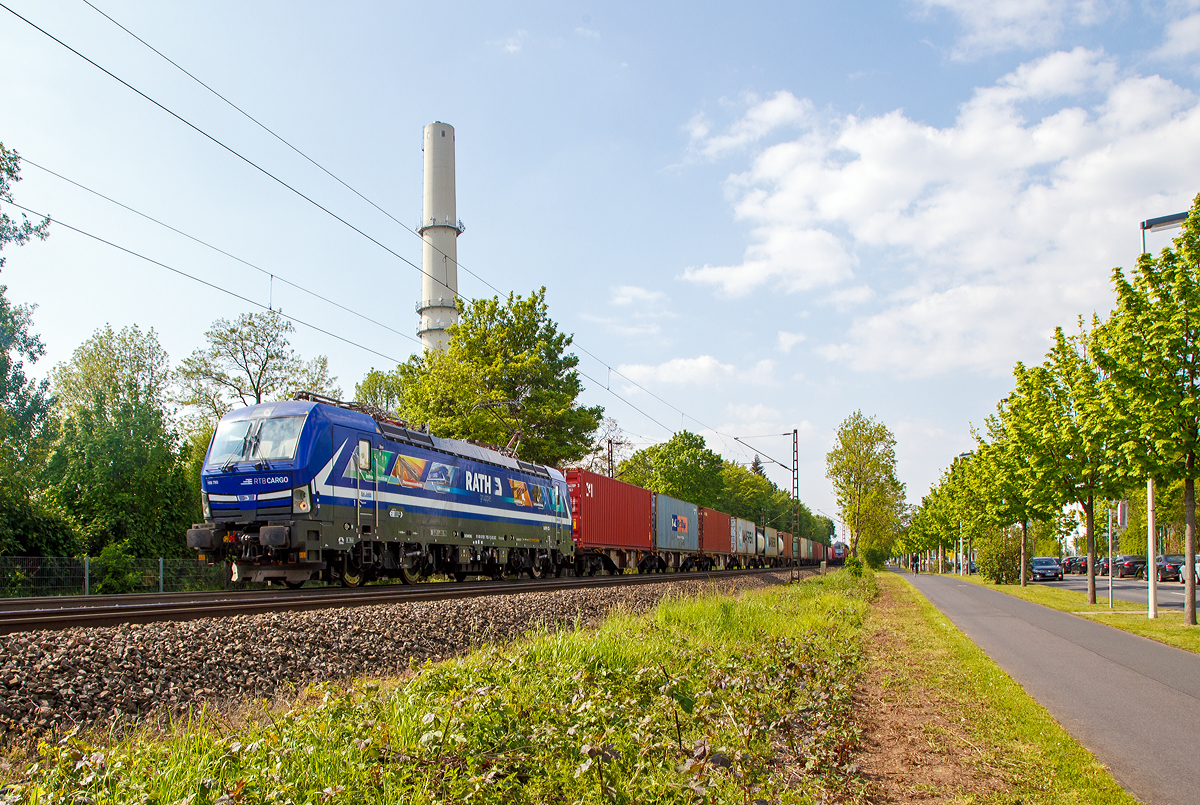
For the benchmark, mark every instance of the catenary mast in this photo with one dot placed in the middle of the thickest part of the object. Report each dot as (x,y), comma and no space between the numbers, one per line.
(439,229)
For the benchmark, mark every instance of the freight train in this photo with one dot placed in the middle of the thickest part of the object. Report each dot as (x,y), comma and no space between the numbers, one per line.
(314,488)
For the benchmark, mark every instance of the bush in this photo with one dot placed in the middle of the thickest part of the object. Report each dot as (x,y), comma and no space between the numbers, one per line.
(1000,556)
(854,566)
(117,573)
(874,557)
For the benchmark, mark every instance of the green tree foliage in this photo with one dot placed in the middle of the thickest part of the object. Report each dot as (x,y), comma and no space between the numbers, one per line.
(383,391)
(119,467)
(505,371)
(1151,350)
(1059,421)
(249,361)
(129,359)
(10,230)
(862,467)
(682,467)
(1000,555)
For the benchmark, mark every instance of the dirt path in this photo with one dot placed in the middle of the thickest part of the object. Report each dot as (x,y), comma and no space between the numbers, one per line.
(915,747)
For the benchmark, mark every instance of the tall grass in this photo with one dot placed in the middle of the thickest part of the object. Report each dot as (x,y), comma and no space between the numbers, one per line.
(708,699)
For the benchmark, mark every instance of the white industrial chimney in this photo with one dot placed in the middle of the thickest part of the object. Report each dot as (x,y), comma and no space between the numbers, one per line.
(440,229)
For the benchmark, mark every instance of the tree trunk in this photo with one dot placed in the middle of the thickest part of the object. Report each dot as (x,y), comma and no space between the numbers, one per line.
(1091,546)
(1189,550)
(1024,550)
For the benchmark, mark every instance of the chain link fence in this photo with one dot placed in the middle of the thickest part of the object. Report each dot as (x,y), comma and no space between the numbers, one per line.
(28,576)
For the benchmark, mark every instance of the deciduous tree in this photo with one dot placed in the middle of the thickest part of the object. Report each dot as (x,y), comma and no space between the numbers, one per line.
(249,361)
(862,467)
(505,370)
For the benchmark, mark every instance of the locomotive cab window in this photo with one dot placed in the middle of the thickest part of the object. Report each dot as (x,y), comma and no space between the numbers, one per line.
(364,455)
(270,438)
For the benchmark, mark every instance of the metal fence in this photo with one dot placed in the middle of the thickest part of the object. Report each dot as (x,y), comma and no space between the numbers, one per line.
(25,576)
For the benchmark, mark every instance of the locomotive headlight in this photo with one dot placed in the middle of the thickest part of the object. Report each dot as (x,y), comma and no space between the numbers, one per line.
(300,500)
(204,505)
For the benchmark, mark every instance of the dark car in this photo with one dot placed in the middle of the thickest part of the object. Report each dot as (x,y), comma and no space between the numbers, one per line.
(1070,564)
(1168,567)
(1101,565)
(1046,567)
(1128,565)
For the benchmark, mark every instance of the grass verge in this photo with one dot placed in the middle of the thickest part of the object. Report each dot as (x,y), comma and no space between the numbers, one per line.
(1167,628)
(710,699)
(943,723)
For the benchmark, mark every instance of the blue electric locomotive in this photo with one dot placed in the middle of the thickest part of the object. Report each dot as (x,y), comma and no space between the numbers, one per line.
(316,489)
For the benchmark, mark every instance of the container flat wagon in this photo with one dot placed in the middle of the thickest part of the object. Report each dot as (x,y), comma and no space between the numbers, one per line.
(718,541)
(611,525)
(676,533)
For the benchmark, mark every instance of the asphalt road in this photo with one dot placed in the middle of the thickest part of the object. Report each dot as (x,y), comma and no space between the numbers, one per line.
(1133,702)
(1170,593)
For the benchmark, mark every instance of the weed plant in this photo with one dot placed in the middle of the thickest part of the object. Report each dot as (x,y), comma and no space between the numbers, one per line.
(712,699)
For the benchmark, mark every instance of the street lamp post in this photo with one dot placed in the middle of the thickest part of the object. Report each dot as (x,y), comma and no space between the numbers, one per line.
(1154,225)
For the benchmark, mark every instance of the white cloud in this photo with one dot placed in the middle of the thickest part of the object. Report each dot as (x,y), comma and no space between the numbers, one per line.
(699,370)
(1181,39)
(977,237)
(627,326)
(788,340)
(512,44)
(762,118)
(998,25)
(628,294)
(587,33)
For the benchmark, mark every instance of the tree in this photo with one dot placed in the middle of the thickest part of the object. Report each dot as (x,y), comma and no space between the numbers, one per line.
(380,390)
(249,361)
(10,230)
(504,377)
(682,467)
(610,448)
(128,361)
(1058,420)
(119,466)
(862,467)
(756,466)
(118,469)
(1151,350)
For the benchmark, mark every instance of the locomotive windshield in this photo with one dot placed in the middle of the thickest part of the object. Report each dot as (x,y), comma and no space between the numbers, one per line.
(270,439)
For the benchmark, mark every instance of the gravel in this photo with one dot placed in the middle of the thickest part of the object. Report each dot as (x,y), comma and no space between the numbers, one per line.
(52,681)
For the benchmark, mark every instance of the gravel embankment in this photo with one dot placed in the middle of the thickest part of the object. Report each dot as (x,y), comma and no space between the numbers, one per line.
(58,680)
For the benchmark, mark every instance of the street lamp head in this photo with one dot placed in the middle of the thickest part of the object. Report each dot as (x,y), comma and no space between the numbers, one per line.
(1164,222)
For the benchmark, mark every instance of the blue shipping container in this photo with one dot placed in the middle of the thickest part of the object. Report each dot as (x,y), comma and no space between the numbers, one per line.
(676,524)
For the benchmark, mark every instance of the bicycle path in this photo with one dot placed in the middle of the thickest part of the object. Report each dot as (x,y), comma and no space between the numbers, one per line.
(1133,702)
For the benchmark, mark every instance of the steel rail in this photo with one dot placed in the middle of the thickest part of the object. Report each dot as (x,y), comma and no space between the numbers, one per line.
(149,608)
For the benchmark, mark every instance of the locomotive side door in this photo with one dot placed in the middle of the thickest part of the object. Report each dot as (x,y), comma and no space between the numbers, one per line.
(367,487)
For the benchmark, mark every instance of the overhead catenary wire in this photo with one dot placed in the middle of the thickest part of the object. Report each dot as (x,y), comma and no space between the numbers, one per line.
(272,274)
(317,204)
(212,285)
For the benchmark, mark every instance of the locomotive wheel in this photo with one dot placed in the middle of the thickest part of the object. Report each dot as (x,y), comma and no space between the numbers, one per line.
(409,576)
(352,577)
(293,585)
(459,575)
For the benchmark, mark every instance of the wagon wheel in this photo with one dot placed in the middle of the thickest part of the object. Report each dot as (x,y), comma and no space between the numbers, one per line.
(352,576)
(410,575)
(293,585)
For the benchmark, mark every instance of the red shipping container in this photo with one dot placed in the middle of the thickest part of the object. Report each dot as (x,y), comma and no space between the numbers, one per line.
(785,545)
(714,531)
(607,513)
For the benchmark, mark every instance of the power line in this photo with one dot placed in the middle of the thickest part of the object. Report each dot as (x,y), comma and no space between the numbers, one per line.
(219,250)
(278,137)
(346,185)
(212,285)
(312,201)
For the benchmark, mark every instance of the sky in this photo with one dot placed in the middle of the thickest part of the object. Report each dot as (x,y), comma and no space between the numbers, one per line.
(753,217)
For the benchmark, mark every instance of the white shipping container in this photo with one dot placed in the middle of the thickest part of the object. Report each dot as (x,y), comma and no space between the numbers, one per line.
(746,537)
(772,546)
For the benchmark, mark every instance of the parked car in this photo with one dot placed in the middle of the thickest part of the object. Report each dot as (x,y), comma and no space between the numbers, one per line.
(1195,570)
(1069,564)
(1101,565)
(1046,567)
(1128,565)
(1167,567)
(1081,565)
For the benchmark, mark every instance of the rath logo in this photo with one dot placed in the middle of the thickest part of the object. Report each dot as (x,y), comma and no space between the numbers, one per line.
(679,523)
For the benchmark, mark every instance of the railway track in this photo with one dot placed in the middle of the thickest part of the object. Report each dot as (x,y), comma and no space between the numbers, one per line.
(64,612)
